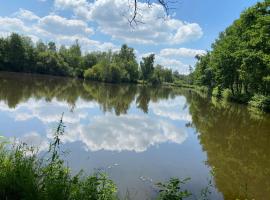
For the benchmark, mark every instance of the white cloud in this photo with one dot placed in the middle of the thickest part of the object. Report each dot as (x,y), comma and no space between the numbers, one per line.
(53,28)
(133,132)
(61,26)
(112,19)
(47,113)
(85,43)
(80,7)
(64,4)
(125,133)
(36,140)
(175,65)
(12,25)
(181,52)
(26,15)
(187,32)
(172,109)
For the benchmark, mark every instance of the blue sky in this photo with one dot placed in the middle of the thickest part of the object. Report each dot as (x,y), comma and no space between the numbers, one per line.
(101,25)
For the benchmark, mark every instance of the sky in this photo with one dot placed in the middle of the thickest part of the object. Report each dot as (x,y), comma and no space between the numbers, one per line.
(99,25)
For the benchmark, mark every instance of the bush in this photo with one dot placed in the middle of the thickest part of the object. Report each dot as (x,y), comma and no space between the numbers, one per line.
(261,102)
(93,73)
(172,190)
(226,94)
(216,92)
(203,89)
(241,98)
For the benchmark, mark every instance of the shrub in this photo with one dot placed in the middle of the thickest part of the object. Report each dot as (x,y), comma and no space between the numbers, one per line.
(226,94)
(261,102)
(172,190)
(203,89)
(216,92)
(241,98)
(93,73)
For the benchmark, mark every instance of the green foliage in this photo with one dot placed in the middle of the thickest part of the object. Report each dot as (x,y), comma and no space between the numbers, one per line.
(19,54)
(261,102)
(147,66)
(49,62)
(160,75)
(155,75)
(206,191)
(115,67)
(16,52)
(226,94)
(240,59)
(172,190)
(94,73)
(216,92)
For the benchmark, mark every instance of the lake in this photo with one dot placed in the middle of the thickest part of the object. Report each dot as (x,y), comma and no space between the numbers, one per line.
(142,135)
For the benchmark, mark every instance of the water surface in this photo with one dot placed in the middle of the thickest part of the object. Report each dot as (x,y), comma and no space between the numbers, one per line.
(142,135)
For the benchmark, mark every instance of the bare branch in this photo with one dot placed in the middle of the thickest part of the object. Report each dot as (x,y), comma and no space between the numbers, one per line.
(166,4)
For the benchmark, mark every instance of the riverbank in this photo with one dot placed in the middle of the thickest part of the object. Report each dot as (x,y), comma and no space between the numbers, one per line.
(258,102)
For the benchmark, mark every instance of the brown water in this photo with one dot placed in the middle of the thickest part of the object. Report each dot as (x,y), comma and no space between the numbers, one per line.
(142,135)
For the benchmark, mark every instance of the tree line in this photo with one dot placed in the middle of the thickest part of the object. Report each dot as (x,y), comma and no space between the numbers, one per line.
(238,66)
(19,53)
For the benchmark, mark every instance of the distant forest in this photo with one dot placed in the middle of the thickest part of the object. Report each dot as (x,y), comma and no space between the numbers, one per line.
(19,54)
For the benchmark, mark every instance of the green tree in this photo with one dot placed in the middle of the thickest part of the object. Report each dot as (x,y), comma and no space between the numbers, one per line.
(239,60)
(147,66)
(16,53)
(52,46)
(41,47)
(51,63)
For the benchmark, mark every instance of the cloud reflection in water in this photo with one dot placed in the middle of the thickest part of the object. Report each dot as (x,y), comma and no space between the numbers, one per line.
(132,132)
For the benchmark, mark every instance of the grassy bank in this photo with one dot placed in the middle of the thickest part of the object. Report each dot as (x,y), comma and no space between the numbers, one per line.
(256,101)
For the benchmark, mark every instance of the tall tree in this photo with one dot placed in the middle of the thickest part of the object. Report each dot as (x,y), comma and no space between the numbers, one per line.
(16,52)
(147,66)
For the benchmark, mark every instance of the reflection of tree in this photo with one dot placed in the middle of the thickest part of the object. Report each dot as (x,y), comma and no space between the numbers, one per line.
(143,99)
(111,97)
(15,89)
(18,88)
(237,146)
(146,94)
